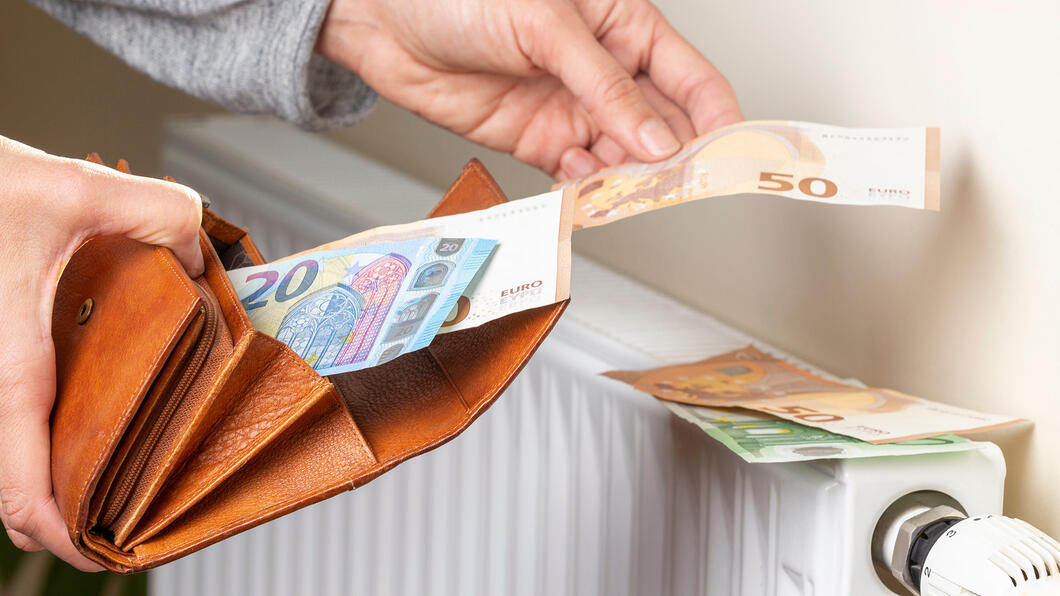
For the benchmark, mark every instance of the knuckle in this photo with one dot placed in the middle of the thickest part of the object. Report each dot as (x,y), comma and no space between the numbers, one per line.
(72,184)
(18,510)
(19,395)
(188,210)
(543,14)
(22,542)
(617,88)
(534,26)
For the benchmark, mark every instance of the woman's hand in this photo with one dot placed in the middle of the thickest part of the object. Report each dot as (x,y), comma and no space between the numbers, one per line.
(566,85)
(48,207)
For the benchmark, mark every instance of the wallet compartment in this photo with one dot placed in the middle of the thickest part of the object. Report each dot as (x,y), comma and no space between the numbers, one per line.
(130,457)
(118,301)
(156,452)
(264,393)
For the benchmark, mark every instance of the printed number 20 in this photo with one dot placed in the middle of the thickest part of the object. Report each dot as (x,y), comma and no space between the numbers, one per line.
(805,185)
(283,291)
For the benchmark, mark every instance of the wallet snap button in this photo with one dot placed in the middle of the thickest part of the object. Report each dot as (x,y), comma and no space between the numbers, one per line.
(84,312)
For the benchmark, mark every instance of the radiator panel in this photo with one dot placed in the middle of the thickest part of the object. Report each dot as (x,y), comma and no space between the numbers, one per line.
(571,483)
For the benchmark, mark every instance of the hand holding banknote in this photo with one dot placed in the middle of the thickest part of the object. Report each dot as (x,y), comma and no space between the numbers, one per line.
(530,266)
(796,160)
(549,81)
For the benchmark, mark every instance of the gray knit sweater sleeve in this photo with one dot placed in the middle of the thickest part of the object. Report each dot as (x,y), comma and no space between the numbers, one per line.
(246,55)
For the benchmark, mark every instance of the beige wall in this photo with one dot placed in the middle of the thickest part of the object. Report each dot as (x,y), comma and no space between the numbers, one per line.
(62,94)
(958,306)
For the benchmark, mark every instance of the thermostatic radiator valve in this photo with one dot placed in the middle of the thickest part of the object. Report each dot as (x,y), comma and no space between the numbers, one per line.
(940,551)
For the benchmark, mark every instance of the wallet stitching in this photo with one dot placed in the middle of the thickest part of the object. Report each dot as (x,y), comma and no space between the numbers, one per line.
(180,278)
(449,379)
(490,185)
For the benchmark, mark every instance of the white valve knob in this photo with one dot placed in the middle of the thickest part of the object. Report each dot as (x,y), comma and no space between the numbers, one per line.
(991,555)
(936,550)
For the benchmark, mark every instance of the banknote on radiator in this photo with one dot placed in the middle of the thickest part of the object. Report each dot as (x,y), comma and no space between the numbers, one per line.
(760,438)
(751,379)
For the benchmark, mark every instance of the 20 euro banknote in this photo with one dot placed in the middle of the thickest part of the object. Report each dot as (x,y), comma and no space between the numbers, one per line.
(758,438)
(797,160)
(356,307)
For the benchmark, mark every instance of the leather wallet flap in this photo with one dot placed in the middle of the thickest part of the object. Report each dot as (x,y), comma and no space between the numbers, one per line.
(475,189)
(118,301)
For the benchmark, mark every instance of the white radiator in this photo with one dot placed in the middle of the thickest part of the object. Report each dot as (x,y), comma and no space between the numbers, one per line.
(571,483)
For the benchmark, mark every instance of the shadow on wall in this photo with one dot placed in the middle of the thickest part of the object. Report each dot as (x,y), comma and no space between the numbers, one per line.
(964,270)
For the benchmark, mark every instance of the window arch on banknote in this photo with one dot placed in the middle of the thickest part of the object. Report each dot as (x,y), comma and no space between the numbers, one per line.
(317,324)
(379,283)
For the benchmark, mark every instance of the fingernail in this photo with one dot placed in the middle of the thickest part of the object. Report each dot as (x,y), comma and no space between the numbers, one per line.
(577,164)
(657,138)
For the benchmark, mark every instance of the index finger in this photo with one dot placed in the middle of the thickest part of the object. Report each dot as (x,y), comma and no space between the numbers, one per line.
(145,209)
(562,44)
(685,75)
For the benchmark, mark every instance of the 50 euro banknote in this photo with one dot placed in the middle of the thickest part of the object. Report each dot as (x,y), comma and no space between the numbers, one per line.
(797,160)
(749,378)
(360,306)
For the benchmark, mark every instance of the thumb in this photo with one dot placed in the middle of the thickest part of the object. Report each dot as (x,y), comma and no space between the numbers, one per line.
(27,388)
(570,51)
(145,209)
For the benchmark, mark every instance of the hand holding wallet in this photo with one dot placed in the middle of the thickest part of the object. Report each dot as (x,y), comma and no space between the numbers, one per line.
(177,424)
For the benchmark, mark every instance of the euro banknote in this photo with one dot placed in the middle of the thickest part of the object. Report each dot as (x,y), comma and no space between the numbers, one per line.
(797,160)
(758,438)
(360,306)
(530,266)
(749,378)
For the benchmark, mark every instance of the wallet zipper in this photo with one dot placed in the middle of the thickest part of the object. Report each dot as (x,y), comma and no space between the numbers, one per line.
(202,350)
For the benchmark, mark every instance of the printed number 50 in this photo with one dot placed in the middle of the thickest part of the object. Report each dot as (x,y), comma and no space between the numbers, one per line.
(806,185)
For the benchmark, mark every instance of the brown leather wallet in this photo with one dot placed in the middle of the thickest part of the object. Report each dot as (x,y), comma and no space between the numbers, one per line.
(176,424)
